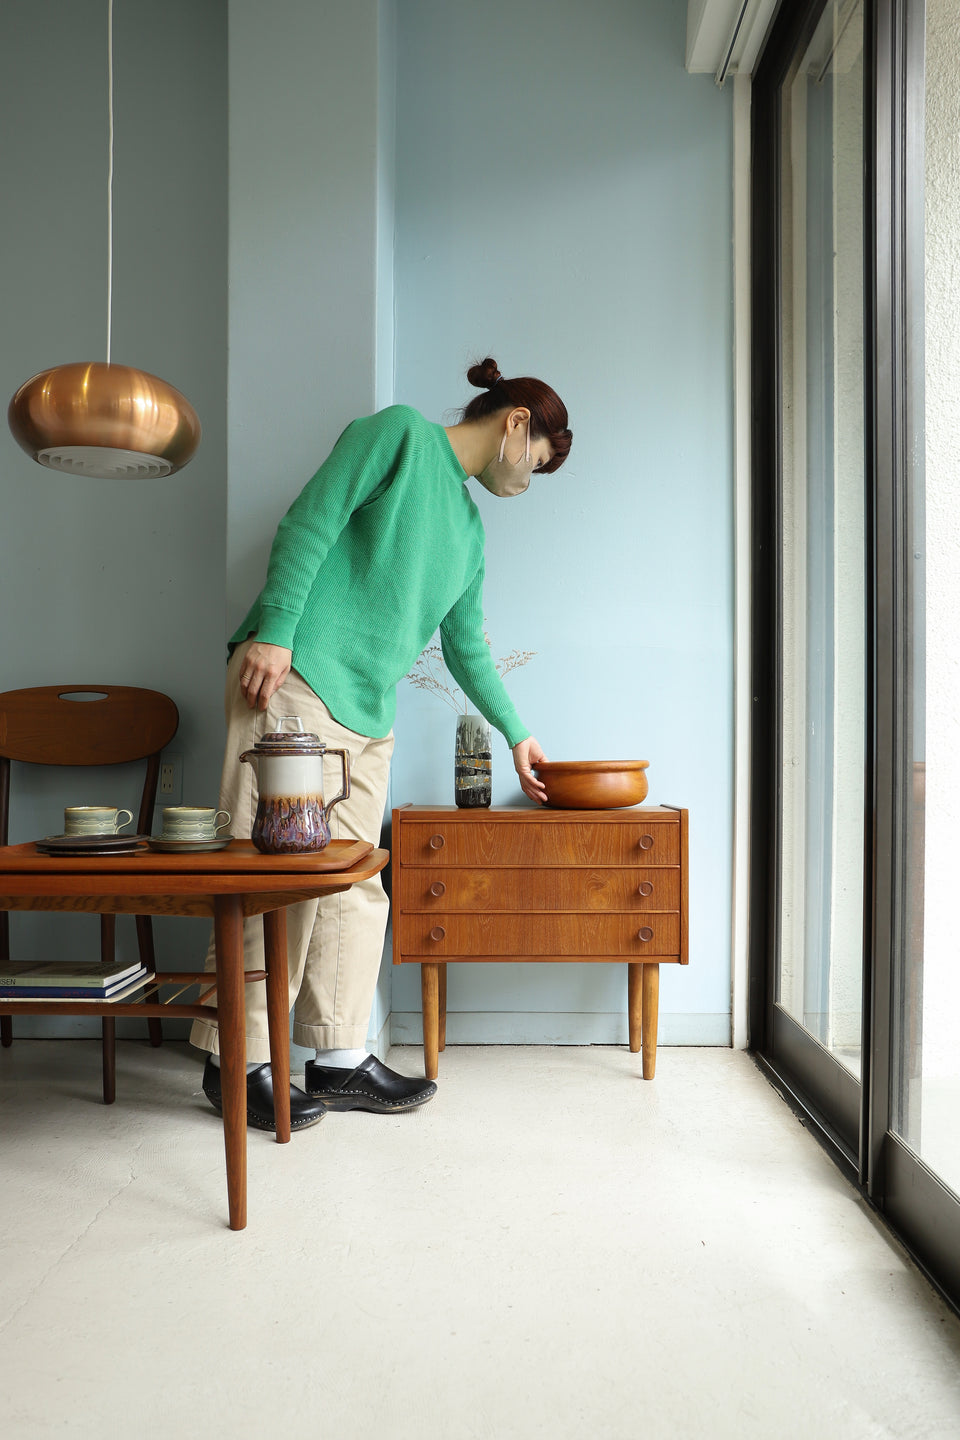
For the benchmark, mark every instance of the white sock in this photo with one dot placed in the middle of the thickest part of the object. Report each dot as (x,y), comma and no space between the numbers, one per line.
(342,1059)
(216,1061)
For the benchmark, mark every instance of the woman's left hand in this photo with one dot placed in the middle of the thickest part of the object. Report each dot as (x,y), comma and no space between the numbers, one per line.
(525,755)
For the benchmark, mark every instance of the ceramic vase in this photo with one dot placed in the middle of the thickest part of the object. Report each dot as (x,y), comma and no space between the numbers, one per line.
(471,782)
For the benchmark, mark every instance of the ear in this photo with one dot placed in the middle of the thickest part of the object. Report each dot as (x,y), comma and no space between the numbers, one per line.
(518,416)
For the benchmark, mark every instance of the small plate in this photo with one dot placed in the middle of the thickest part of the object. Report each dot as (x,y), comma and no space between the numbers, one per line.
(188,847)
(90,844)
(118,851)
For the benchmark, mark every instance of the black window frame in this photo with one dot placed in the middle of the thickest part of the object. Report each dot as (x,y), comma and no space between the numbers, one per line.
(852,1119)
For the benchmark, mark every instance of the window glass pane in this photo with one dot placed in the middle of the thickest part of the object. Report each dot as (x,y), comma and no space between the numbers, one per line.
(929,1055)
(822,515)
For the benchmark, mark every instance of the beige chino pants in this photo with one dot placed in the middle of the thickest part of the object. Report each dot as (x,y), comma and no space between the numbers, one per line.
(334,945)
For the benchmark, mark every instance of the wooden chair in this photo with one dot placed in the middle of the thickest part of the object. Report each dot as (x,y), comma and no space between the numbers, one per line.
(111,725)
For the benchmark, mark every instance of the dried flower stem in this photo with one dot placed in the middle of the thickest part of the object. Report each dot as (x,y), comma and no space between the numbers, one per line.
(430,673)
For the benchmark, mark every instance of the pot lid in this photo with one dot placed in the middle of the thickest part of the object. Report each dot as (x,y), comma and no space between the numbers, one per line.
(290,742)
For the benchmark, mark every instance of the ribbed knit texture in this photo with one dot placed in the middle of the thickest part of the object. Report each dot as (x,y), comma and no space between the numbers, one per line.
(383,546)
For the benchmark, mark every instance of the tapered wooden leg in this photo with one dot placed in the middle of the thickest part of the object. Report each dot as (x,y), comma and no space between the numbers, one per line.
(634,1003)
(108,1043)
(108,1026)
(228,931)
(651,1007)
(430,999)
(148,957)
(442,1001)
(6,1021)
(278,1017)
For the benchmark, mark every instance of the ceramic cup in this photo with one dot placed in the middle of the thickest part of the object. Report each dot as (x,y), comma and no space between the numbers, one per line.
(94,819)
(193,822)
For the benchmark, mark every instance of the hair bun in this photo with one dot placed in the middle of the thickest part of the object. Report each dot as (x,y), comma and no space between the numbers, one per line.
(485,375)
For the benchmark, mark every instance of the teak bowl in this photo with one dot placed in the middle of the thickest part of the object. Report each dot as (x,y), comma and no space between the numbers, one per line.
(593,784)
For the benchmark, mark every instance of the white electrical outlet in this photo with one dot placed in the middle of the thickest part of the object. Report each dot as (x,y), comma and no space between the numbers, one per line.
(170,787)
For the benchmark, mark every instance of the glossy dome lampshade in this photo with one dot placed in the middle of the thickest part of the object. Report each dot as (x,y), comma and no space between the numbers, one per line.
(98,419)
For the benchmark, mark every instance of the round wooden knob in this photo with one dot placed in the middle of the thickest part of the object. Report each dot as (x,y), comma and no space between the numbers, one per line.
(437,842)
(646,842)
(437,888)
(646,888)
(438,932)
(645,933)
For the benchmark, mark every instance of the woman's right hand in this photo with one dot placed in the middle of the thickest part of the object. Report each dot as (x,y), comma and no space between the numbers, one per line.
(264,669)
(525,756)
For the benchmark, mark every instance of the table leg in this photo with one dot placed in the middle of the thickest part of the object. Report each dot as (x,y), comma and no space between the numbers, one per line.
(108,1025)
(148,956)
(430,1002)
(278,1017)
(108,1050)
(228,930)
(634,1003)
(6,1021)
(651,1006)
(442,1039)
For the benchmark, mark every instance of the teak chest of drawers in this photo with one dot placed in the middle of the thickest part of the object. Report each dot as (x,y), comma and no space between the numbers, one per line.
(488,886)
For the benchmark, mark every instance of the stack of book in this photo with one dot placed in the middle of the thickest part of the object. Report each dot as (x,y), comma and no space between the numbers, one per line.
(71,980)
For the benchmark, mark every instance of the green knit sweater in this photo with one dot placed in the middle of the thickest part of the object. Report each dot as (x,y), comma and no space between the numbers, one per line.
(380,548)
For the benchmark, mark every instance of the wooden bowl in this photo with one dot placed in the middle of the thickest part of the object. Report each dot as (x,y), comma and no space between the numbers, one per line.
(593,784)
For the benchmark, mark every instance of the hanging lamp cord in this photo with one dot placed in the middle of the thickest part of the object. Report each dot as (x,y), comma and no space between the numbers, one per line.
(109,176)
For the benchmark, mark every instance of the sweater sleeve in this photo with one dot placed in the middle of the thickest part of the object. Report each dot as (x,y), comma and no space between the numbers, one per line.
(362,462)
(467,657)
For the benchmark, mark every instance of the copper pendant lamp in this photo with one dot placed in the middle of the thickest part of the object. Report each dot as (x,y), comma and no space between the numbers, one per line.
(96,418)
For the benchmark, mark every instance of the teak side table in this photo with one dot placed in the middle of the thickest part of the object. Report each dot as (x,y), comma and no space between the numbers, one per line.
(498,885)
(228,886)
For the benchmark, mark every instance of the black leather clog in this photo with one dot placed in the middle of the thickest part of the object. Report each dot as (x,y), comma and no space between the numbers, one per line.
(371,1086)
(304,1111)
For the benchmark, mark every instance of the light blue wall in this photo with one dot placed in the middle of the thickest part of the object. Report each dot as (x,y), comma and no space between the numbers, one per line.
(311,234)
(563,203)
(304,89)
(556,194)
(114,581)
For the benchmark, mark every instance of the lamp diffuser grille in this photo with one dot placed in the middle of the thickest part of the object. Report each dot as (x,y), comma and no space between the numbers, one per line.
(103,463)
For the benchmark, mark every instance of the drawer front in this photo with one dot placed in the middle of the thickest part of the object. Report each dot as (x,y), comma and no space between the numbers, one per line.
(530,845)
(528,937)
(436,888)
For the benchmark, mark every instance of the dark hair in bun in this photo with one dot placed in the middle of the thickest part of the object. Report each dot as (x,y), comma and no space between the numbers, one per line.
(485,375)
(548,414)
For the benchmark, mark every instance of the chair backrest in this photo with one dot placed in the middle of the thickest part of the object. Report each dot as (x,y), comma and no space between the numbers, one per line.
(100,725)
(111,725)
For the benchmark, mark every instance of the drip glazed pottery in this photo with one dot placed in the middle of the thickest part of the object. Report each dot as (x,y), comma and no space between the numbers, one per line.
(292,818)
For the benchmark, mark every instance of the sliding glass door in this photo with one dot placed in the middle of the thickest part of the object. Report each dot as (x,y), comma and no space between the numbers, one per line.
(856,770)
(916,1174)
(814,658)
(822,537)
(927,1111)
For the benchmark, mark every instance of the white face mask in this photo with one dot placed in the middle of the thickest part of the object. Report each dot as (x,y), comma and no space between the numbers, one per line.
(504,478)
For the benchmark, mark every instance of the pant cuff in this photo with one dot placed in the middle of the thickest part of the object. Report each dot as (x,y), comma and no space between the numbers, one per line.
(330,1037)
(207,1037)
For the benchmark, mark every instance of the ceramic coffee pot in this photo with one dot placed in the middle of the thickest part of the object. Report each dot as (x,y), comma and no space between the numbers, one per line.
(292,818)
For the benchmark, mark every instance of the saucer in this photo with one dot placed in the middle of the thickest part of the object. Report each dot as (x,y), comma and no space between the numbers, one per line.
(90,844)
(187,847)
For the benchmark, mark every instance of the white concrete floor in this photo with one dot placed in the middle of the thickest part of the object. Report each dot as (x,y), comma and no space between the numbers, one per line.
(552,1247)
